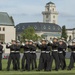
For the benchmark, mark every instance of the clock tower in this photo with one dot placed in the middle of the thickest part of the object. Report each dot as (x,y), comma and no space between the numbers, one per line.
(50,15)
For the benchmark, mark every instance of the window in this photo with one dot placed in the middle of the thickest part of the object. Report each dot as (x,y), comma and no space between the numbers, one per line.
(58,28)
(0,28)
(47,21)
(53,27)
(2,37)
(18,37)
(53,21)
(48,9)
(70,37)
(18,27)
(35,27)
(44,27)
(23,27)
(3,29)
(49,27)
(53,9)
(46,16)
(53,16)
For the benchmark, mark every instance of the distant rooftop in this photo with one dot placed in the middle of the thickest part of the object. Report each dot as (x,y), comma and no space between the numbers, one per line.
(38,26)
(5,19)
(49,3)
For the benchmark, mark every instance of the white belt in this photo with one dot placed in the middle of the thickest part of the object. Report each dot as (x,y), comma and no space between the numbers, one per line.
(60,52)
(12,51)
(47,51)
(73,51)
(43,51)
(33,52)
(17,51)
(27,52)
(55,50)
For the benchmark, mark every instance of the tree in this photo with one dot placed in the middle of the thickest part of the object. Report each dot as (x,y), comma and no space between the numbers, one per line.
(29,34)
(64,33)
(69,37)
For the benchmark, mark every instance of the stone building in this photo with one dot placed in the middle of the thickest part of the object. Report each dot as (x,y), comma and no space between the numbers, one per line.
(7,28)
(71,34)
(48,28)
(42,29)
(50,15)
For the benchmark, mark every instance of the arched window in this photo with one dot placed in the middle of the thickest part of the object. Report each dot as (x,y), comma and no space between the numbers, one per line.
(35,27)
(18,27)
(53,16)
(53,27)
(0,28)
(49,27)
(46,16)
(23,27)
(53,9)
(44,27)
(3,28)
(47,8)
(69,37)
(53,21)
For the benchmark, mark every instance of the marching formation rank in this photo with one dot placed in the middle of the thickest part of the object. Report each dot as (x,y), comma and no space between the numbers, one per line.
(54,49)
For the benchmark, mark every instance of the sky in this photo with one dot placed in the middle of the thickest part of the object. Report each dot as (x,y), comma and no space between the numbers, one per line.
(24,11)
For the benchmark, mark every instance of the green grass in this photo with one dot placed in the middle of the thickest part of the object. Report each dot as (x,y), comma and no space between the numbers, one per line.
(11,72)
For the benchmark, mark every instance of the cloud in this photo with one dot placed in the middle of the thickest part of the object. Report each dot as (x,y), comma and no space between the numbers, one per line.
(30,10)
(63,14)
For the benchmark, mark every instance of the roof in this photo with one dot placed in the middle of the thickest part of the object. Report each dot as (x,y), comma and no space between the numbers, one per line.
(52,34)
(39,26)
(50,3)
(5,19)
(70,29)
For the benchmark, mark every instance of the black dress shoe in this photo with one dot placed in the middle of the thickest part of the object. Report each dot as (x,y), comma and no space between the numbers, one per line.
(47,70)
(68,69)
(37,70)
(8,70)
(23,70)
(56,69)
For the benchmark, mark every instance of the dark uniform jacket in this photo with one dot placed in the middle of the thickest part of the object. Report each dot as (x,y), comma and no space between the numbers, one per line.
(1,49)
(72,47)
(54,45)
(26,48)
(12,48)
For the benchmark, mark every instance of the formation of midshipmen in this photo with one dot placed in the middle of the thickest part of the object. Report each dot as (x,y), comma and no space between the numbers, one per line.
(53,50)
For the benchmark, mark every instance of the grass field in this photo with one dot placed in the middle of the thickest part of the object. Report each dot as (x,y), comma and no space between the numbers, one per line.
(11,72)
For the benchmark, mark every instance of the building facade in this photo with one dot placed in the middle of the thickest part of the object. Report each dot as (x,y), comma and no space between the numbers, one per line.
(42,29)
(50,15)
(7,28)
(48,28)
(70,34)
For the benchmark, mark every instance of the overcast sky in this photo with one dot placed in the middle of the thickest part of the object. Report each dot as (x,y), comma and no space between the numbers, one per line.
(30,10)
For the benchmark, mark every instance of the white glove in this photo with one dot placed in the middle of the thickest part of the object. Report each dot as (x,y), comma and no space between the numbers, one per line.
(39,43)
(23,44)
(51,41)
(9,44)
